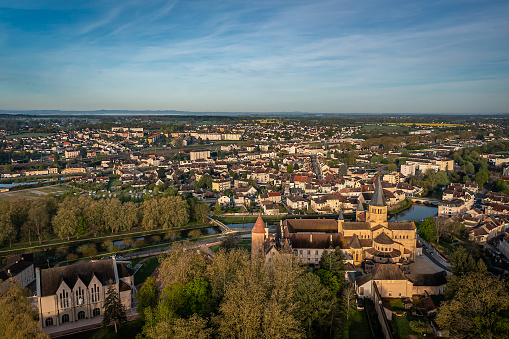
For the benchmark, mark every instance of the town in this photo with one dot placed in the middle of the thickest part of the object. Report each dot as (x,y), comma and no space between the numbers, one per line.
(386,212)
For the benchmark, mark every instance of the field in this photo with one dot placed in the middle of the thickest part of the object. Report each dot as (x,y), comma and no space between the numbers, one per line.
(370,128)
(146,270)
(27,135)
(32,193)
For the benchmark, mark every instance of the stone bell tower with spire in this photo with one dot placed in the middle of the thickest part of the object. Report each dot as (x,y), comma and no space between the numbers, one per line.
(377,214)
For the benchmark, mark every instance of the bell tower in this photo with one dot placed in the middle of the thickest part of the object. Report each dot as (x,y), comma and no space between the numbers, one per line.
(377,206)
(258,238)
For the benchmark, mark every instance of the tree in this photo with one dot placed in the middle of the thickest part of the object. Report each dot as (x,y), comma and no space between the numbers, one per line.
(195,234)
(419,327)
(180,266)
(201,212)
(217,208)
(147,297)
(333,261)
(462,262)
(478,307)
(18,319)
(482,177)
(427,230)
(289,168)
(114,311)
(7,230)
(39,218)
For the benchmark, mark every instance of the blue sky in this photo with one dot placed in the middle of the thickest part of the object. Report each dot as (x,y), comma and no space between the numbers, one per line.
(256,56)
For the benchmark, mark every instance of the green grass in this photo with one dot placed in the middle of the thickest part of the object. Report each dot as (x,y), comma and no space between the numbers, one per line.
(146,270)
(358,328)
(125,331)
(27,135)
(369,128)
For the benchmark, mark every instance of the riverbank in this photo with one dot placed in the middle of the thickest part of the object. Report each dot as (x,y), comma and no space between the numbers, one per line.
(402,206)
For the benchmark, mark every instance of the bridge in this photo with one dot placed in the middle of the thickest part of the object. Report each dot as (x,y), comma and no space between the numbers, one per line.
(225,228)
(425,200)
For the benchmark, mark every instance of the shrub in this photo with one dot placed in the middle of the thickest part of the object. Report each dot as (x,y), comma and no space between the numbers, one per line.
(156,239)
(139,243)
(127,242)
(195,234)
(72,256)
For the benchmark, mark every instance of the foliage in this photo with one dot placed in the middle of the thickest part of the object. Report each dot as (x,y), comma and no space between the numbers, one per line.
(419,327)
(478,307)
(114,311)
(18,319)
(147,297)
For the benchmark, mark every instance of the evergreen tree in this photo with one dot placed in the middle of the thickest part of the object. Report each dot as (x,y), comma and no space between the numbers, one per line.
(113,308)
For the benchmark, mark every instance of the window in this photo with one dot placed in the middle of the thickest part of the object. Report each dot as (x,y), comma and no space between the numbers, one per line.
(49,322)
(96,312)
(390,294)
(316,252)
(65,318)
(81,315)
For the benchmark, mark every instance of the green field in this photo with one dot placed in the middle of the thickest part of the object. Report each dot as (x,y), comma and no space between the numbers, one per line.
(369,128)
(146,270)
(32,193)
(27,135)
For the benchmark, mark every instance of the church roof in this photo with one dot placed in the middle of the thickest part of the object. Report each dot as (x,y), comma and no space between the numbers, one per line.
(355,242)
(259,226)
(434,279)
(311,225)
(360,207)
(383,239)
(402,226)
(356,225)
(378,198)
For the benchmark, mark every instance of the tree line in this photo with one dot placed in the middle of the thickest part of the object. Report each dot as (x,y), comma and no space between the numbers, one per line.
(233,296)
(35,220)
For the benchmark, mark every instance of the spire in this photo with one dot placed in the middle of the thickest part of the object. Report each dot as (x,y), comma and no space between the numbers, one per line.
(360,207)
(341,217)
(378,198)
(259,226)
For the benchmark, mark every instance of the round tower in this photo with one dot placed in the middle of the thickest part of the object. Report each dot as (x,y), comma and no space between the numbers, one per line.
(258,237)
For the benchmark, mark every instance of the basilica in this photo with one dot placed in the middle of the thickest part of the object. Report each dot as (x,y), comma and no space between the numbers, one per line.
(370,239)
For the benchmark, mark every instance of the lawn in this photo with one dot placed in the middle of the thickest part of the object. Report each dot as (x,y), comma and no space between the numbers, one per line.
(359,326)
(402,324)
(125,331)
(146,270)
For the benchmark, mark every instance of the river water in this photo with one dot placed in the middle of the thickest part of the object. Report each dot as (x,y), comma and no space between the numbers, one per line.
(416,212)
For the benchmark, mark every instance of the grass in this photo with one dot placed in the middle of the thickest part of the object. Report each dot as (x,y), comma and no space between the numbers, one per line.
(27,135)
(358,328)
(402,324)
(125,331)
(369,128)
(146,270)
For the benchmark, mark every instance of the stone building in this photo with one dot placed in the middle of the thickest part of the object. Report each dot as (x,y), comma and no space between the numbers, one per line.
(371,238)
(78,291)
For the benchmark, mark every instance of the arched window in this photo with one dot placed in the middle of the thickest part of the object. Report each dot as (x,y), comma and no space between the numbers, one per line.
(49,321)
(96,312)
(81,315)
(65,318)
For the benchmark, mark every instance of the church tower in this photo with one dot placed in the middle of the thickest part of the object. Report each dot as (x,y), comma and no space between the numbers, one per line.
(377,213)
(258,237)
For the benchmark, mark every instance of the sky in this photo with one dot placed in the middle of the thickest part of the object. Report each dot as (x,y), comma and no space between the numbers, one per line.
(256,56)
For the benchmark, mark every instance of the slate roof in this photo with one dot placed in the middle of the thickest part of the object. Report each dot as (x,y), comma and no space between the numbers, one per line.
(363,279)
(355,242)
(378,198)
(434,279)
(51,278)
(312,225)
(317,241)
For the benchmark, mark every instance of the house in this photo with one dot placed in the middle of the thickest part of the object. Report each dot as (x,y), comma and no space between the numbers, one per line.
(77,292)
(297,202)
(19,267)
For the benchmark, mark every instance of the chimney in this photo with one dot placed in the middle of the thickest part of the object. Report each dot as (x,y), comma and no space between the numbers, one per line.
(38,281)
(310,237)
(115,268)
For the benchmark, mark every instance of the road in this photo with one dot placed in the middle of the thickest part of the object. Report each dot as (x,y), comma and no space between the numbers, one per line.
(436,258)
(316,168)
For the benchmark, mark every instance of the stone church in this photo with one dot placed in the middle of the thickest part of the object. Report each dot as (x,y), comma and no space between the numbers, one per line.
(370,239)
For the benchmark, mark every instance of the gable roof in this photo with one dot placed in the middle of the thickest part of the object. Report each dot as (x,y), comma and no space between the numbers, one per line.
(51,278)
(435,279)
(388,272)
(383,239)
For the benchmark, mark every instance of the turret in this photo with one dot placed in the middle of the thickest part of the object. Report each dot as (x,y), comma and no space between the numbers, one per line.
(377,205)
(257,237)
